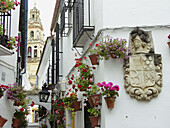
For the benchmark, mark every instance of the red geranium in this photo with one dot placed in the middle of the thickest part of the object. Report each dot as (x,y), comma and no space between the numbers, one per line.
(69,82)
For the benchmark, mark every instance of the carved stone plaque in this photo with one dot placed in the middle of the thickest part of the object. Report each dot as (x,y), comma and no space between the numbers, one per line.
(143,69)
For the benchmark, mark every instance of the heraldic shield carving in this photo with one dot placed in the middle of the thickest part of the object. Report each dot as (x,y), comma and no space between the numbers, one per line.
(143,69)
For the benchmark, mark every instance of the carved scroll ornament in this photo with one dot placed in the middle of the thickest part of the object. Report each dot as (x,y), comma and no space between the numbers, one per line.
(143,69)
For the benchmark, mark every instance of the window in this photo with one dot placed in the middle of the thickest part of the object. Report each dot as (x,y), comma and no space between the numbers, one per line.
(35,53)
(35,46)
(29,52)
(33,16)
(32,34)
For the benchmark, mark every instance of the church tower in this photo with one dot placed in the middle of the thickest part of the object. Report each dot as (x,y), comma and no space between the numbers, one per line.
(35,44)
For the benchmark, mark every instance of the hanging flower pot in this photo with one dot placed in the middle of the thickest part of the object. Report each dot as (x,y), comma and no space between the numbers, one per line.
(2,121)
(94,120)
(16,103)
(61,113)
(90,102)
(95,99)
(76,105)
(16,123)
(94,59)
(110,102)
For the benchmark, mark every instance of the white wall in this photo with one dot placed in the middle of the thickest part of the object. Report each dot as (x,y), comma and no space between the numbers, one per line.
(134,13)
(8,65)
(129,112)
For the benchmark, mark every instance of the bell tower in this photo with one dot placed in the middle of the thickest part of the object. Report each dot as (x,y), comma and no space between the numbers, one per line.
(35,44)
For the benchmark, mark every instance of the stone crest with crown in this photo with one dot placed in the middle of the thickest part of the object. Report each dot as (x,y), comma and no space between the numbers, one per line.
(143,69)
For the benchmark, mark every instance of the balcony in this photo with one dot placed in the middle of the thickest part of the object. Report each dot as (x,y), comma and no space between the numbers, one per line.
(82,28)
(5,32)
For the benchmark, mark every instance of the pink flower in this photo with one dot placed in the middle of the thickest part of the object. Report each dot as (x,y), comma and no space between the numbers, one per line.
(63,118)
(116,87)
(58,121)
(3,2)
(84,104)
(56,112)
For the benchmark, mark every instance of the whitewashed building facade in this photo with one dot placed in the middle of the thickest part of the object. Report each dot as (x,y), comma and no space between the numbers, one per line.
(83,22)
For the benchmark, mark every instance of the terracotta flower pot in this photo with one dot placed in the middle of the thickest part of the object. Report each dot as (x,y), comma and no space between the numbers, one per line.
(168,44)
(90,102)
(82,90)
(16,123)
(94,59)
(76,105)
(2,121)
(16,103)
(110,102)
(94,120)
(61,113)
(95,99)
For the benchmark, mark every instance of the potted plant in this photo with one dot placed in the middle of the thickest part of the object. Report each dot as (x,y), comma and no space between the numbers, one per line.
(59,108)
(19,116)
(169,41)
(2,121)
(2,89)
(7,5)
(85,77)
(44,126)
(51,119)
(16,93)
(93,95)
(71,101)
(111,48)
(94,116)
(110,92)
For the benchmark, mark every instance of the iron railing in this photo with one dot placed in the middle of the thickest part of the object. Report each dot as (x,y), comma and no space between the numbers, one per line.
(78,17)
(5,22)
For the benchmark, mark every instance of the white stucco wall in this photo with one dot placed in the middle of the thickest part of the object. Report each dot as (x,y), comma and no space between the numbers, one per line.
(8,65)
(129,112)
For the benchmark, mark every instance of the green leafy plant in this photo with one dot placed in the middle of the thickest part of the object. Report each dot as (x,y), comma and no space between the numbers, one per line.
(50,117)
(94,112)
(44,126)
(70,98)
(7,5)
(84,79)
(92,90)
(111,48)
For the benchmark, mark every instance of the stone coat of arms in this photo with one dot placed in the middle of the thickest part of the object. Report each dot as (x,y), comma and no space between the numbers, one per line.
(143,69)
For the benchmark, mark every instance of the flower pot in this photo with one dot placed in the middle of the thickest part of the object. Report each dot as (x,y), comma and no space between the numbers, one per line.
(16,103)
(2,121)
(90,102)
(16,123)
(82,90)
(168,44)
(61,113)
(95,99)
(76,105)
(94,120)
(110,102)
(94,59)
